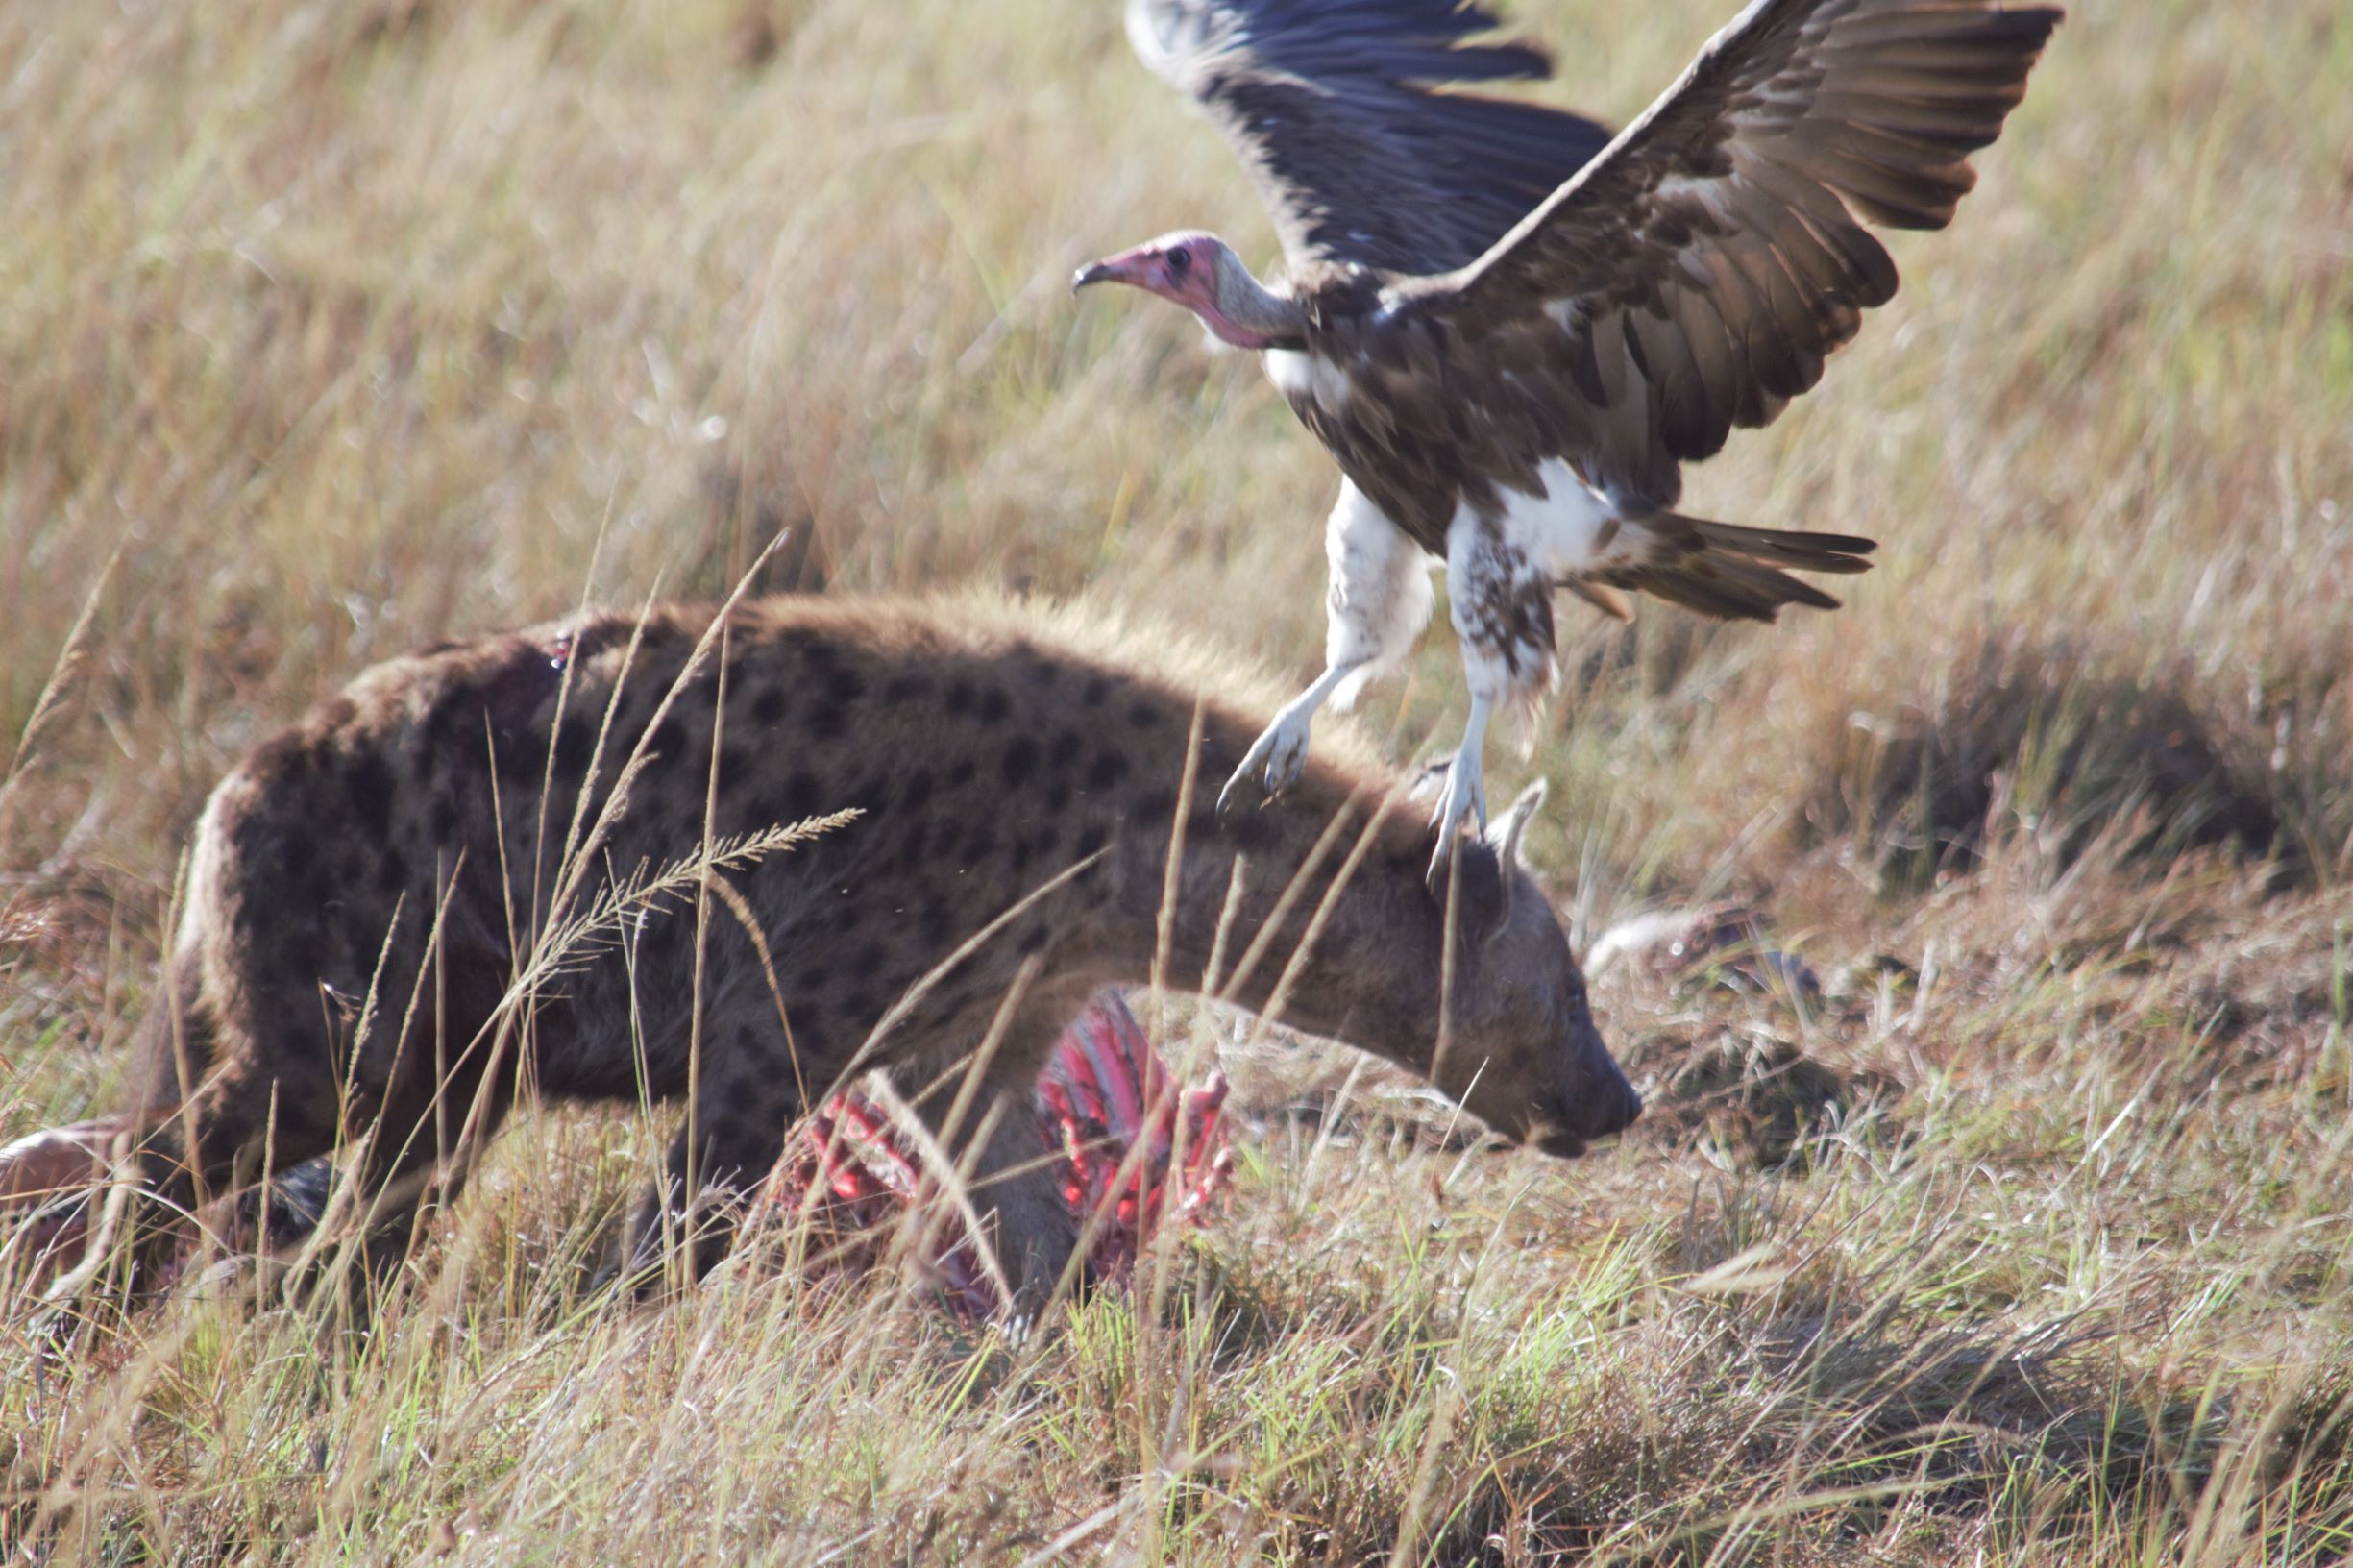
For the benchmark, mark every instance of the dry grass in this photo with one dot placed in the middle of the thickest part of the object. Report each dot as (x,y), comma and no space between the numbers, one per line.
(339,328)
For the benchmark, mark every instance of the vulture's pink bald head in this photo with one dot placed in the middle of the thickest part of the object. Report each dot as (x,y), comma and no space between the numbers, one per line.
(1198,271)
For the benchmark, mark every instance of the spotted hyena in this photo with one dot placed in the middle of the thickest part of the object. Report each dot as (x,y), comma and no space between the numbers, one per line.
(367,892)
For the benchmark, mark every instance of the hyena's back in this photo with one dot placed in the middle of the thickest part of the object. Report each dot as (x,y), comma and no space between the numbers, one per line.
(367,887)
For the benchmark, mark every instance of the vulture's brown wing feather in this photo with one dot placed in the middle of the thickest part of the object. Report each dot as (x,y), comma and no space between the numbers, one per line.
(1694,276)
(1330,104)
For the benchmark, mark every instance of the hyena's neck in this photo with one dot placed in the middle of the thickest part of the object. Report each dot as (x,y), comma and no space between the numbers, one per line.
(1336,866)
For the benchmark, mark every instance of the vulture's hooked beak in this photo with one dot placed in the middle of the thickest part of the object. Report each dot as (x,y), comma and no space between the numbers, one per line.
(1145,267)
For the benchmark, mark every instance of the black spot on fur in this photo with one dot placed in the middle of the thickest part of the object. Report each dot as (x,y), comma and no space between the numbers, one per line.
(1057,795)
(914,842)
(1020,762)
(1156,805)
(994,706)
(293,973)
(1034,940)
(960,772)
(1108,769)
(1096,689)
(296,856)
(369,781)
(575,744)
(939,921)
(803,797)
(669,737)
(915,788)
(520,761)
(958,699)
(734,762)
(1091,838)
(828,718)
(904,688)
(980,845)
(445,816)
(867,960)
(455,716)
(769,706)
(1143,715)
(391,869)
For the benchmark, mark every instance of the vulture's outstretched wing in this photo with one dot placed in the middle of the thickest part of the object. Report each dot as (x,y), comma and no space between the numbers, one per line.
(1694,275)
(1330,104)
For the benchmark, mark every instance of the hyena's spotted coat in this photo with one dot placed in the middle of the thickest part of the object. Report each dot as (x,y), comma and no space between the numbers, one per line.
(396,845)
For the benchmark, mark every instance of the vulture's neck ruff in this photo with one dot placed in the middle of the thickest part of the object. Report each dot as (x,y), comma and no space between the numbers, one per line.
(1248,314)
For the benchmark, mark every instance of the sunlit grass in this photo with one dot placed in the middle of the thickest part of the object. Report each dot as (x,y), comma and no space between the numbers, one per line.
(350,326)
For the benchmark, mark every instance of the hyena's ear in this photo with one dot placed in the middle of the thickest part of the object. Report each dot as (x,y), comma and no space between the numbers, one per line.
(1504,836)
(1484,877)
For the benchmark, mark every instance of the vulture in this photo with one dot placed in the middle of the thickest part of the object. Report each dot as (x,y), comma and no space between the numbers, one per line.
(1511,330)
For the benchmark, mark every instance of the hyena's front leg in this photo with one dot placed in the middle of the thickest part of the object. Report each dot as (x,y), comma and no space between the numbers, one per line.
(988,1127)
(415,1157)
(267,1073)
(221,1109)
(732,1139)
(1016,1187)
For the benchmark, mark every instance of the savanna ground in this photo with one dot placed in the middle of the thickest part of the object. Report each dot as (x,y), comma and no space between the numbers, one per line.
(328,328)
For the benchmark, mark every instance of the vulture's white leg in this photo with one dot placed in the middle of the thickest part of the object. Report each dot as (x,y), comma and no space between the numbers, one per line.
(1274,760)
(1378,601)
(1501,597)
(1462,801)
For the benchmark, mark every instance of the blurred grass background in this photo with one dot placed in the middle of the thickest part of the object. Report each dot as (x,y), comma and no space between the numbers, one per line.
(341,326)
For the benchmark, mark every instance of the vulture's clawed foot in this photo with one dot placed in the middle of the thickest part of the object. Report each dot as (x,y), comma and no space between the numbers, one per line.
(1462,803)
(1273,764)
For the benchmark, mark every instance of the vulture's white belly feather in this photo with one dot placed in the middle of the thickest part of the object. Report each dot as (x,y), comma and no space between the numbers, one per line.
(1567,531)
(1298,374)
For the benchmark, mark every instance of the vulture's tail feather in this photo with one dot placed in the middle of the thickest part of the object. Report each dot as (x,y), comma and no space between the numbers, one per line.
(1734,573)
(1781,547)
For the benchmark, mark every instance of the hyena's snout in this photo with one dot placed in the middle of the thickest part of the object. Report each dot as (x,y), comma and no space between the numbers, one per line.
(1597,1103)
(1617,1102)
